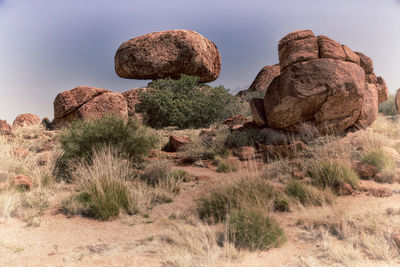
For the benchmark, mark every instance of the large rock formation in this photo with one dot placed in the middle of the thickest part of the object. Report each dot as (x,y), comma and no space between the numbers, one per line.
(322,83)
(87,102)
(168,54)
(263,79)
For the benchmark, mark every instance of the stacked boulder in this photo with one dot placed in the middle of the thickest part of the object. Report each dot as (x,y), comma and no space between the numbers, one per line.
(262,80)
(166,54)
(322,83)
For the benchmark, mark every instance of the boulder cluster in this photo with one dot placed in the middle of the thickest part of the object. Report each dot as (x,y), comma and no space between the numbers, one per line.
(166,54)
(320,82)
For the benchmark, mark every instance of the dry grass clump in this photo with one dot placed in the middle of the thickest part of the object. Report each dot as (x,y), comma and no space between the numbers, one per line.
(191,243)
(308,195)
(332,174)
(206,147)
(216,204)
(110,184)
(380,159)
(387,126)
(343,238)
(253,229)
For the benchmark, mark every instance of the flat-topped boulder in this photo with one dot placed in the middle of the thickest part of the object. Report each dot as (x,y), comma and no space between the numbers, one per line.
(168,54)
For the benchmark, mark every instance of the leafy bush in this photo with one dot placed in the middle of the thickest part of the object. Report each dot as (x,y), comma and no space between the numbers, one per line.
(333,174)
(185,103)
(388,107)
(307,194)
(253,229)
(81,138)
(216,204)
(380,159)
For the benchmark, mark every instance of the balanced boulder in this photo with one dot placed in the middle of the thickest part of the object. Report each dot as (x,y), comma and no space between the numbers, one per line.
(322,83)
(87,102)
(168,54)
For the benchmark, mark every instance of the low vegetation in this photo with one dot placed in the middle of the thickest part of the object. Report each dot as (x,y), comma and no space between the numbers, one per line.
(186,103)
(308,195)
(379,158)
(81,138)
(253,229)
(332,174)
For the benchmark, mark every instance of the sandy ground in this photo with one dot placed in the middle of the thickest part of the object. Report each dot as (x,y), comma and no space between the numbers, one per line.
(135,240)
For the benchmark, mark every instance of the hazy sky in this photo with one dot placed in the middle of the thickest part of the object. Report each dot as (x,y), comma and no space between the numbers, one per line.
(49,46)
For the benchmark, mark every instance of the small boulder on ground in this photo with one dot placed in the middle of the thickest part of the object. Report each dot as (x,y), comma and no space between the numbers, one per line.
(27,119)
(168,54)
(364,170)
(22,182)
(176,142)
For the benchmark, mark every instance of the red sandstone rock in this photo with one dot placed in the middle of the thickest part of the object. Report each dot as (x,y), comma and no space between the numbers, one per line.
(132,98)
(23,182)
(168,54)
(263,79)
(87,102)
(178,141)
(257,111)
(27,119)
(5,128)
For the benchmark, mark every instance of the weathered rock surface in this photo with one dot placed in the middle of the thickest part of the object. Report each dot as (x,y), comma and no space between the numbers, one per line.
(168,54)
(27,119)
(263,79)
(257,111)
(178,141)
(132,98)
(322,83)
(87,102)
(5,128)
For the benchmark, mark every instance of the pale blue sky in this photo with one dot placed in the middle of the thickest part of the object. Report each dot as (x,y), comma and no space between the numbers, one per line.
(48,46)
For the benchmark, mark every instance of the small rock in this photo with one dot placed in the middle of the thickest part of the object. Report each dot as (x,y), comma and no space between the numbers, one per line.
(244,152)
(177,141)
(23,182)
(199,163)
(365,170)
(237,127)
(345,189)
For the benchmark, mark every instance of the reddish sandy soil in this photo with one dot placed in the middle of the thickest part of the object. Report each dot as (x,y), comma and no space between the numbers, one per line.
(135,240)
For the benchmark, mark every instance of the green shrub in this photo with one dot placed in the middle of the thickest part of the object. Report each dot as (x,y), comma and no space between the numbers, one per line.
(388,107)
(332,174)
(81,138)
(216,204)
(186,103)
(307,194)
(252,229)
(380,159)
